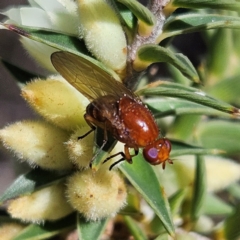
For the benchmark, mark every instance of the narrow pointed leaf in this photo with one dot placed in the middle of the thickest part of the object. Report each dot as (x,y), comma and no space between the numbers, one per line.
(227,90)
(162,107)
(30,182)
(169,89)
(220,134)
(212,4)
(140,11)
(60,42)
(90,230)
(49,229)
(184,126)
(199,188)
(176,200)
(127,16)
(136,231)
(162,237)
(213,205)
(143,178)
(181,148)
(194,22)
(231,225)
(53,39)
(220,42)
(150,53)
(234,190)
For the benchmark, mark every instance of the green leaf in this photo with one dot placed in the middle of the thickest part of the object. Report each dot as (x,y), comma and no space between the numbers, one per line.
(60,42)
(213,205)
(234,190)
(181,148)
(90,230)
(177,75)
(127,16)
(49,229)
(184,126)
(162,107)
(195,22)
(199,188)
(136,231)
(212,4)
(169,89)
(220,134)
(162,237)
(151,53)
(140,11)
(156,227)
(132,207)
(231,225)
(53,39)
(227,90)
(176,200)
(141,175)
(30,182)
(220,42)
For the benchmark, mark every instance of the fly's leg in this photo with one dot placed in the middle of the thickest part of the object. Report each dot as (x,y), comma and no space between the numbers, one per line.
(105,139)
(84,135)
(89,121)
(125,156)
(114,155)
(128,156)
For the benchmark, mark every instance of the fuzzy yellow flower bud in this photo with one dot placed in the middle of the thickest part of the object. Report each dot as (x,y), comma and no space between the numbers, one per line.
(103,33)
(81,151)
(57,101)
(10,230)
(96,195)
(39,143)
(46,204)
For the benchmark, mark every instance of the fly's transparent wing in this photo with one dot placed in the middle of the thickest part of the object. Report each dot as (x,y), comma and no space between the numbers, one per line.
(86,77)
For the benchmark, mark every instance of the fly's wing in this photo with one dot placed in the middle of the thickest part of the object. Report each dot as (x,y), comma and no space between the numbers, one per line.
(86,77)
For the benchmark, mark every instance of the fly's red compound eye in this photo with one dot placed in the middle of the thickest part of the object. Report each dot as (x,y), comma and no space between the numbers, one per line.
(158,152)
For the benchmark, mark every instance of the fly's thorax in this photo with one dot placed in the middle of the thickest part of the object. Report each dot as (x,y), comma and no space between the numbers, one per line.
(103,108)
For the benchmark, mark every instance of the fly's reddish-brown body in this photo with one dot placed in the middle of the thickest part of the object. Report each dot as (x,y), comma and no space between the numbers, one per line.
(115,109)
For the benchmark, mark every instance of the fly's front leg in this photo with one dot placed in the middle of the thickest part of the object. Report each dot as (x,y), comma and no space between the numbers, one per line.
(105,139)
(128,156)
(89,121)
(125,156)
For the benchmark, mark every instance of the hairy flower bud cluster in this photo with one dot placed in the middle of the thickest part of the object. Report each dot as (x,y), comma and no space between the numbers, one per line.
(57,101)
(46,204)
(80,150)
(96,195)
(54,145)
(37,142)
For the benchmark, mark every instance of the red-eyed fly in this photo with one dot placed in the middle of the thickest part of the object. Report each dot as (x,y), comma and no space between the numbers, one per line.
(115,109)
